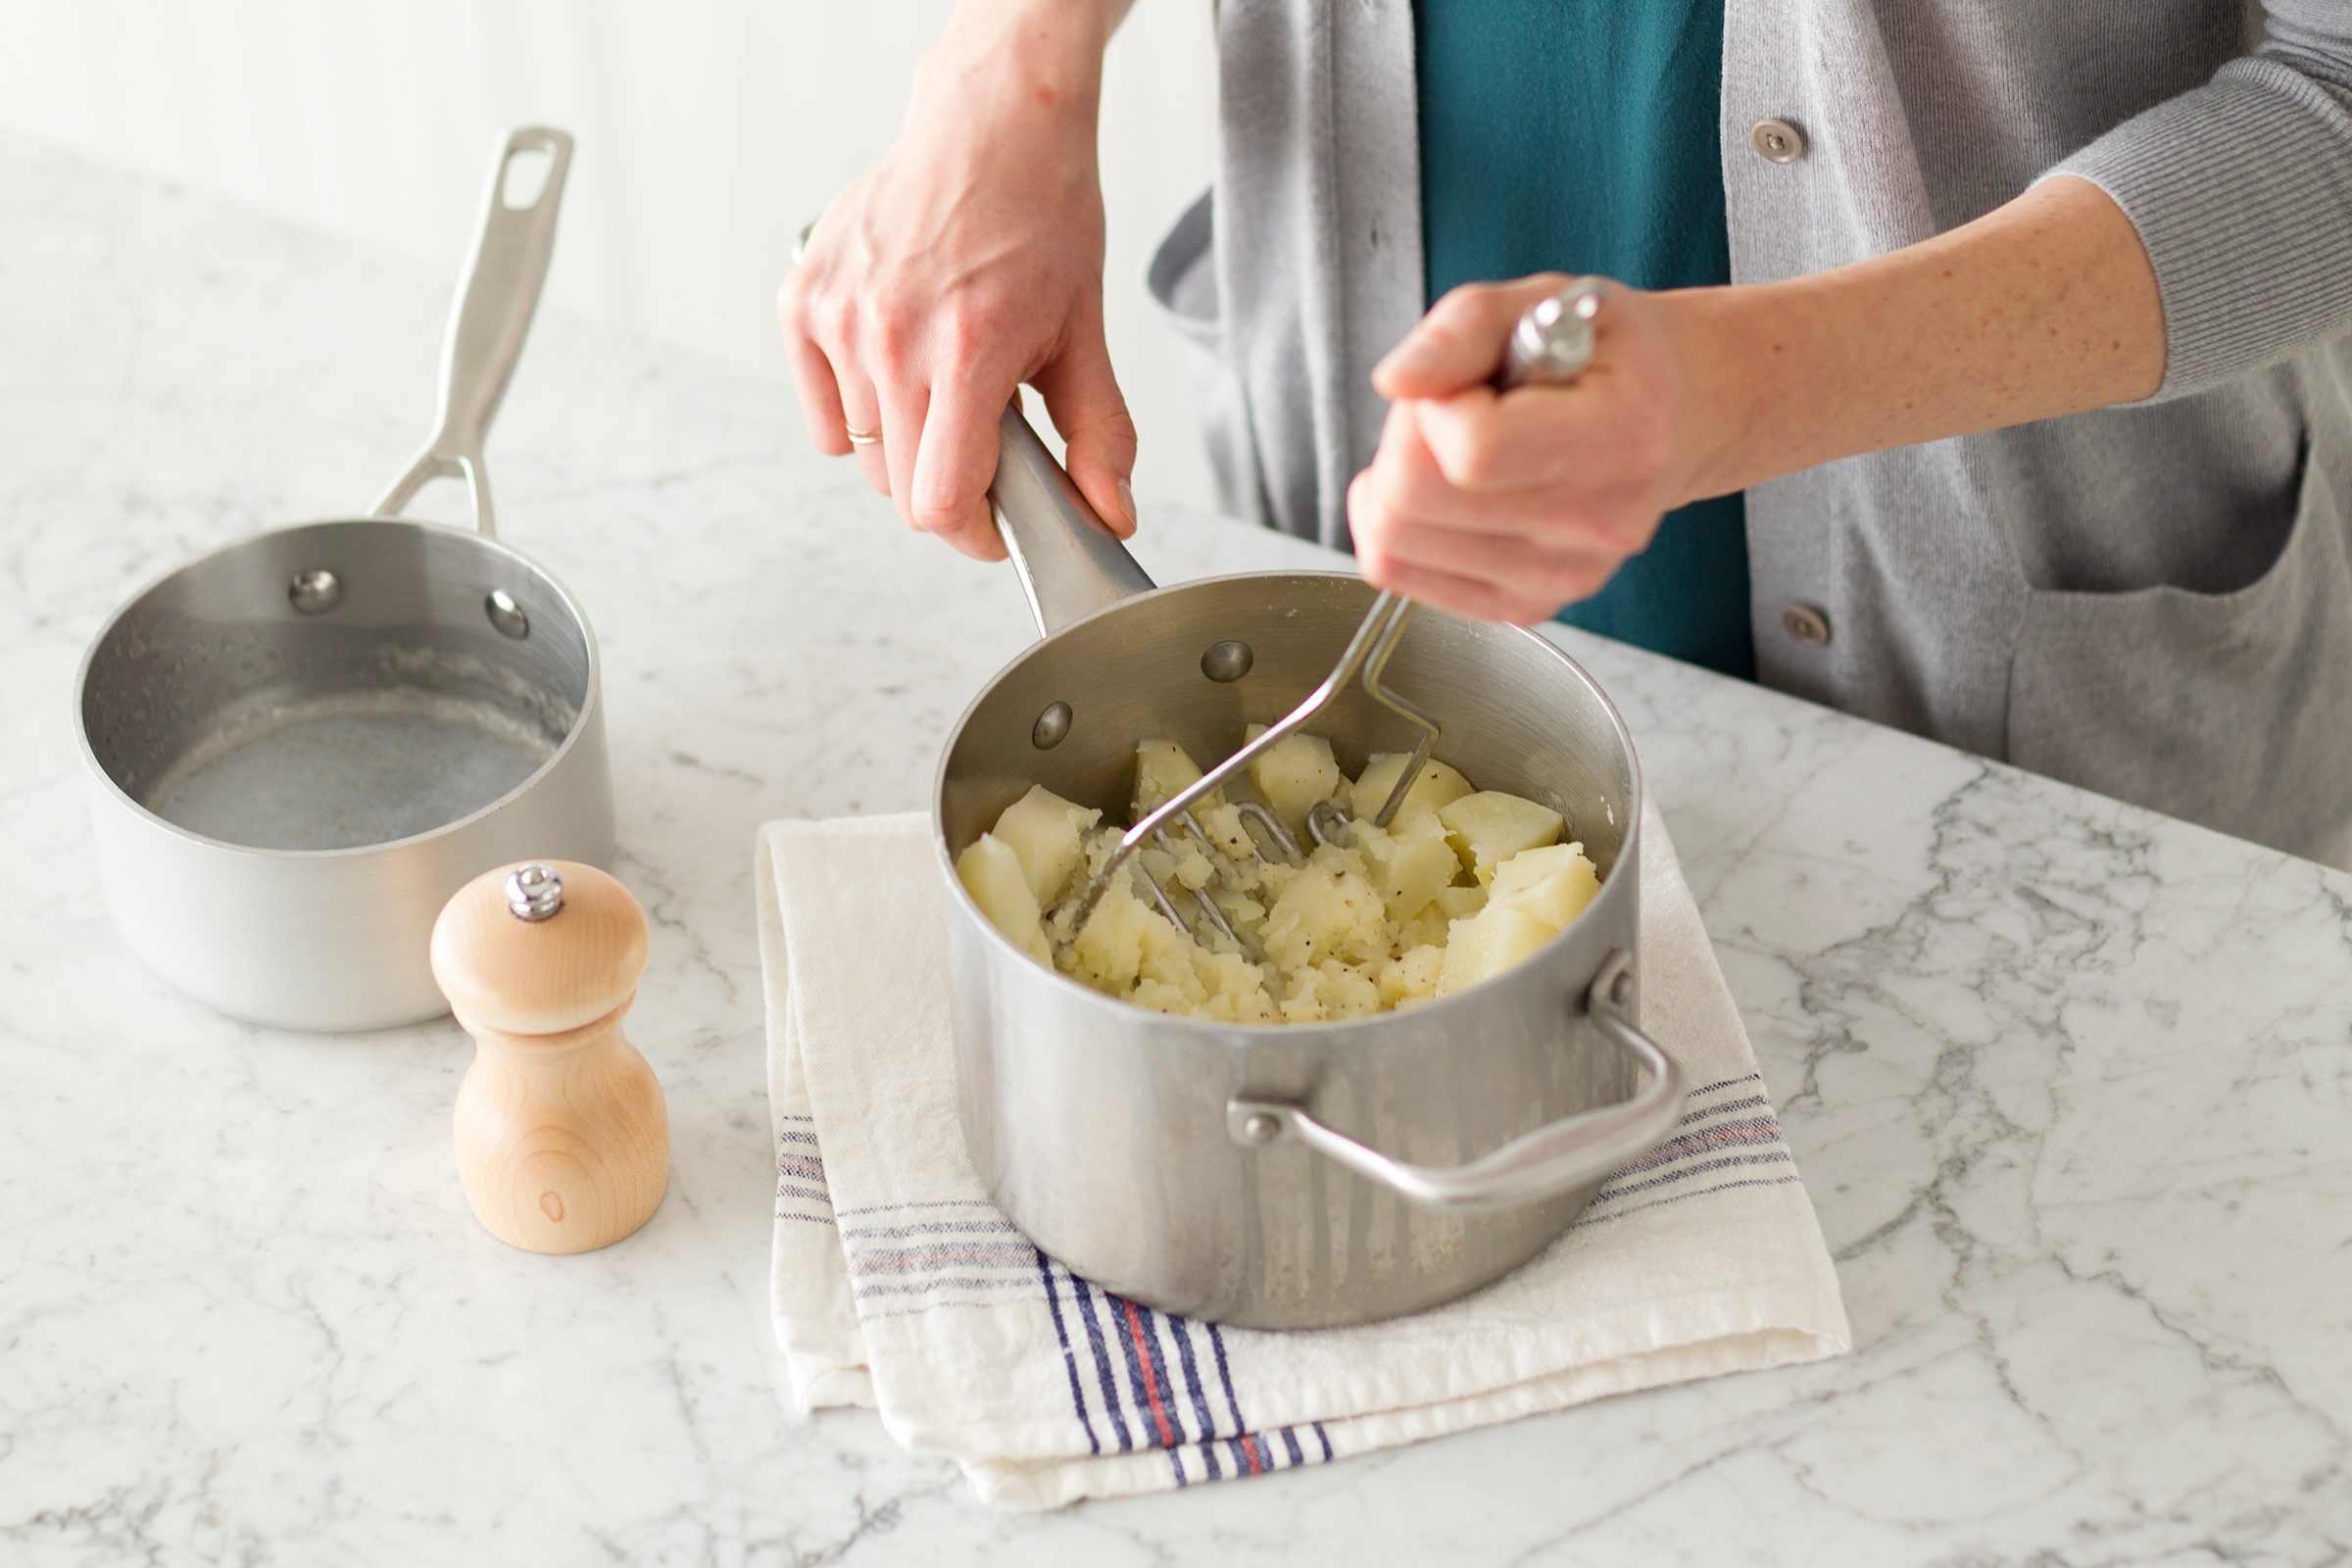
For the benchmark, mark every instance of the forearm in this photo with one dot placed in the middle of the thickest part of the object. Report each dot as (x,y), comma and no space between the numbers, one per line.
(2044,307)
(1047,54)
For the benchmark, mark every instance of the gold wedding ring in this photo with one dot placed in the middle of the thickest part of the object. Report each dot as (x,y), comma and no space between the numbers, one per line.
(862,438)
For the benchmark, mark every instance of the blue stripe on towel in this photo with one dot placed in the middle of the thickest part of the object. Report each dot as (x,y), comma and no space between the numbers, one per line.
(1103,1372)
(1069,1357)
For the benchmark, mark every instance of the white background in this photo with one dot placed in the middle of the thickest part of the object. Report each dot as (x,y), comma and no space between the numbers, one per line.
(708,131)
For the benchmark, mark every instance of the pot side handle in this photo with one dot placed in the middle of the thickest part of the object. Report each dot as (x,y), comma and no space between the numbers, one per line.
(487,325)
(1070,563)
(1550,1160)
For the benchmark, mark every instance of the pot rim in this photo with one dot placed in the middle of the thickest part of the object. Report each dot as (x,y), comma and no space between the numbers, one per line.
(589,707)
(1629,849)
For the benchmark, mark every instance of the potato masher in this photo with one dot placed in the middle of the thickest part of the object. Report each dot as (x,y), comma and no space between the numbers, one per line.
(1550,346)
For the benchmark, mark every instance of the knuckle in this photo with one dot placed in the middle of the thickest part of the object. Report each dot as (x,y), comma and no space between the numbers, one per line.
(972,328)
(935,514)
(1475,456)
(833,317)
(887,339)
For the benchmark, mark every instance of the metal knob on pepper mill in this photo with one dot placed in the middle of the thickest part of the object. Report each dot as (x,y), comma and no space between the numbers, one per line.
(563,1137)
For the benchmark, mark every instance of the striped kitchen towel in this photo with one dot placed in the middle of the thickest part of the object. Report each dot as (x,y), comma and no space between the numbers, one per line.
(898,1286)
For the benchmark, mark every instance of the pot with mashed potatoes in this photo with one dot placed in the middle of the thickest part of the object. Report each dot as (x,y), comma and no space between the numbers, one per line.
(1417,1061)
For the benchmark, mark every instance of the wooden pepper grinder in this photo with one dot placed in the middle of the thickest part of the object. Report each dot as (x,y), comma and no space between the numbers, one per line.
(563,1137)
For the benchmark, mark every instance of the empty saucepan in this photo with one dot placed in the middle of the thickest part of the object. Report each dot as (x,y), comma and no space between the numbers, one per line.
(303,743)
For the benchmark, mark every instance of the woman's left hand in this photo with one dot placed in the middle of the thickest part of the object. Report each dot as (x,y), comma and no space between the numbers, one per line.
(1506,505)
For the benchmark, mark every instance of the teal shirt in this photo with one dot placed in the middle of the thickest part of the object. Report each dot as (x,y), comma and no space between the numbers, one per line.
(1580,136)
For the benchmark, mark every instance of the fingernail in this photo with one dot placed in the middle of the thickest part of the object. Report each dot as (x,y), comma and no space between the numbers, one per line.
(1127,500)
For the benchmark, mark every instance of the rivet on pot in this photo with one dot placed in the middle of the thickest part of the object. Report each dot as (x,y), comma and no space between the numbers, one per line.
(1051,729)
(1260,1128)
(1227,661)
(506,615)
(314,592)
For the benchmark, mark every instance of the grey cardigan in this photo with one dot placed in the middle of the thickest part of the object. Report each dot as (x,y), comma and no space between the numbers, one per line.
(2153,601)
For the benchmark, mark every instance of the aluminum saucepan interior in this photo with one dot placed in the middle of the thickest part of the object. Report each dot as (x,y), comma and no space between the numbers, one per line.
(337,686)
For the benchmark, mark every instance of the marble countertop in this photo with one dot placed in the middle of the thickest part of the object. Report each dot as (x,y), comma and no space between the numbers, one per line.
(2070,1084)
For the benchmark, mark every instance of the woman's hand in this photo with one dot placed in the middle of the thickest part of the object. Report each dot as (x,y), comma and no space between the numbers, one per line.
(967,261)
(1507,505)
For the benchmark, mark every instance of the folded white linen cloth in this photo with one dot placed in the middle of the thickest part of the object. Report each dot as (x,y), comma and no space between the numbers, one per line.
(898,1285)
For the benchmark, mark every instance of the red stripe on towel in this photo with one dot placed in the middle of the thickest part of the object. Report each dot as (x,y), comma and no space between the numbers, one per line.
(1134,1331)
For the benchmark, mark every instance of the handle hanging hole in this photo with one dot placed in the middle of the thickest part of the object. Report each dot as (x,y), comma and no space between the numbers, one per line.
(524,179)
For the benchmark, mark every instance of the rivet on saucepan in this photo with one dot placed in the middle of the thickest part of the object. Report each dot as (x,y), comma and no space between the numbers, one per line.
(1227,661)
(534,891)
(1260,1128)
(314,592)
(506,615)
(1051,729)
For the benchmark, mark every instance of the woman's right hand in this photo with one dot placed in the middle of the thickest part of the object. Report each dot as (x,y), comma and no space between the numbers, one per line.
(967,262)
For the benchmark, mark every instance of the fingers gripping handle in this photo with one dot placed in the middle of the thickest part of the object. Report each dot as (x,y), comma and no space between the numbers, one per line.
(496,299)
(1070,563)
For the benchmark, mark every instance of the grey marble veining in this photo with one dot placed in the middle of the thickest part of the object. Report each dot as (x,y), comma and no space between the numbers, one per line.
(2070,1084)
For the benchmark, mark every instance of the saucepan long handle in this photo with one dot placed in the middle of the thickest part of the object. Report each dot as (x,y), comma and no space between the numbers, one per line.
(1552,1159)
(488,324)
(1071,563)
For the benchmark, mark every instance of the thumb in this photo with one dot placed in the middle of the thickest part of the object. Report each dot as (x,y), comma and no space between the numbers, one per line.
(1459,344)
(1083,397)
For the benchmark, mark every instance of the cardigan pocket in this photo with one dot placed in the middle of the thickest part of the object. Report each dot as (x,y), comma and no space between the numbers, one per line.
(1183,281)
(2232,710)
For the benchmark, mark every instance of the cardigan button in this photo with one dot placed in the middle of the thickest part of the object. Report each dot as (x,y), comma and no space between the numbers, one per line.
(1806,625)
(1777,141)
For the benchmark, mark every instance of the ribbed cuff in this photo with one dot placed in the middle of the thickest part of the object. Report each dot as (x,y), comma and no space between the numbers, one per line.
(2242,191)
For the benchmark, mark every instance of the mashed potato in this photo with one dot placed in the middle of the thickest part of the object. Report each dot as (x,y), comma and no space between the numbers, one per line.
(1461,885)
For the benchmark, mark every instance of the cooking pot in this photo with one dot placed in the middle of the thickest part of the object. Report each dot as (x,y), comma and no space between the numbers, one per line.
(1297,1175)
(301,745)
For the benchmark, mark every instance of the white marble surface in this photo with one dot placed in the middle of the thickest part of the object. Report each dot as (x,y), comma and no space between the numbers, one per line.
(2070,1084)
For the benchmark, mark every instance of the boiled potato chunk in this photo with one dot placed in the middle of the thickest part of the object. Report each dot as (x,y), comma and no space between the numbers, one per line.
(1437,785)
(1497,938)
(1046,834)
(992,873)
(1550,884)
(1488,827)
(1329,911)
(1162,769)
(1299,772)
(1413,976)
(1329,990)
(1409,861)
